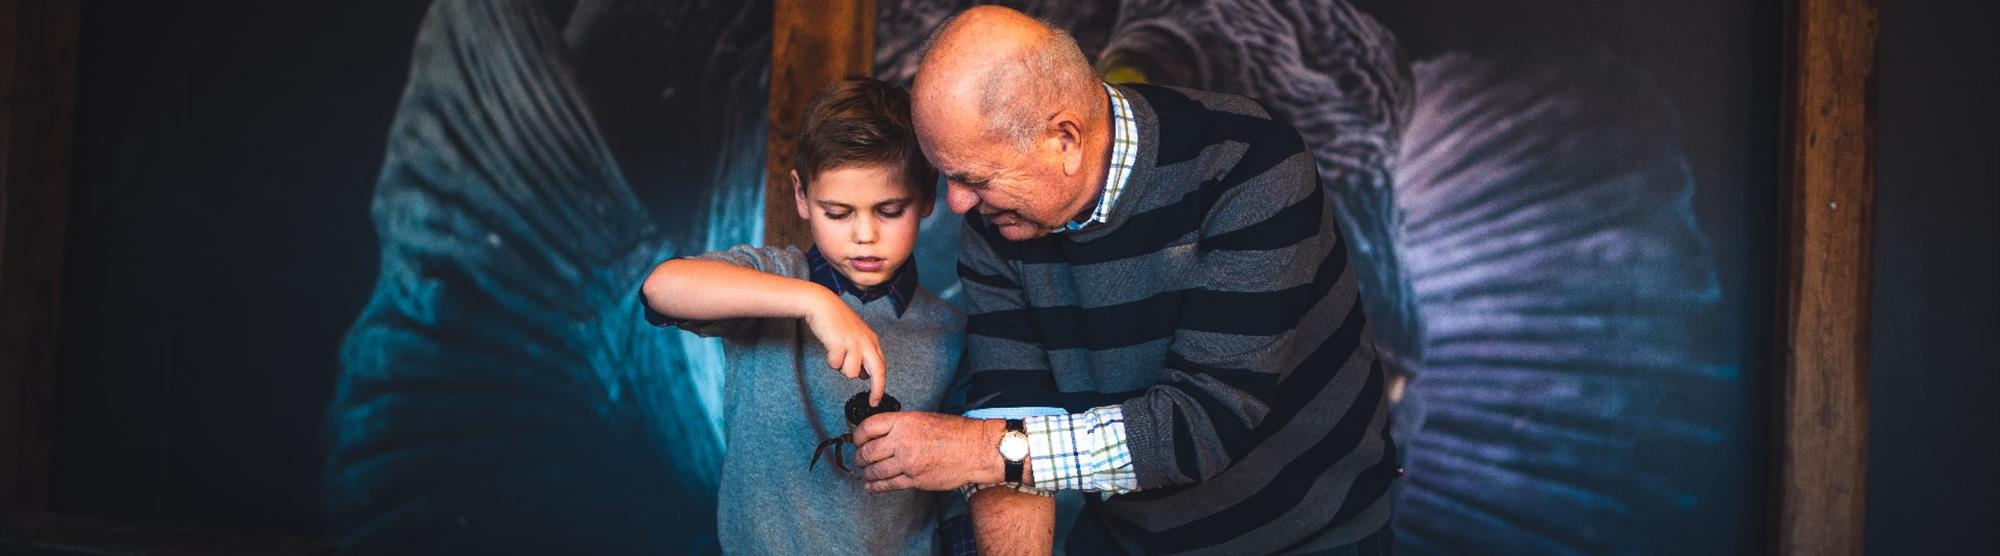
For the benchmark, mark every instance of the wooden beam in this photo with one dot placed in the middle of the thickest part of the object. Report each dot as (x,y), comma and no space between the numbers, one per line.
(37,82)
(813,44)
(1823,358)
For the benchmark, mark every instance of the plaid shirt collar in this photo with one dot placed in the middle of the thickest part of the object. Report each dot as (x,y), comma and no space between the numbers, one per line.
(1124,152)
(899,289)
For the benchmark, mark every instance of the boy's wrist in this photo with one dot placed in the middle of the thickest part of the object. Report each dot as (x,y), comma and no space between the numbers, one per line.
(815,301)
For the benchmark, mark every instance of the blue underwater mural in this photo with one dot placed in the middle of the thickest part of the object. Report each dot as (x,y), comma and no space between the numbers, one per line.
(500,390)
(1535,269)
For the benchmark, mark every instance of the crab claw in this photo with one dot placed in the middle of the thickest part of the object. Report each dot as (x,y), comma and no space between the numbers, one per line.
(838,455)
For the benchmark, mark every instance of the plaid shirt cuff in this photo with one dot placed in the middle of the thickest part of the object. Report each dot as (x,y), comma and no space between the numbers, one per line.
(1083,451)
(970,490)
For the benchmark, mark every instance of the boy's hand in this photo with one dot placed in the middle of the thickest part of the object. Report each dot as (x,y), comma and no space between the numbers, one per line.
(851,346)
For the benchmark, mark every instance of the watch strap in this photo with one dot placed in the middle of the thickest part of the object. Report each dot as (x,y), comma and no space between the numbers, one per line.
(1013,468)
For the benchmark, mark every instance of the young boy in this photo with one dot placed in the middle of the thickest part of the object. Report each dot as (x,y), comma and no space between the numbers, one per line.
(851,304)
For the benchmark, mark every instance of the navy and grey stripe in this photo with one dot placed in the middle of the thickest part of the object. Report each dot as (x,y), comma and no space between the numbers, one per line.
(1216,307)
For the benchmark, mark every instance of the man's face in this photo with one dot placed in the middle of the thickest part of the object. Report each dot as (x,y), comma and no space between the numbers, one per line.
(864,220)
(1025,194)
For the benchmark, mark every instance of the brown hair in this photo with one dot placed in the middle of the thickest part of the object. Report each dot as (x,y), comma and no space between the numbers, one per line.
(861,121)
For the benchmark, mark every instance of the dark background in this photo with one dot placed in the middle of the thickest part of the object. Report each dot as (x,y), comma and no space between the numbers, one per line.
(219,245)
(1934,372)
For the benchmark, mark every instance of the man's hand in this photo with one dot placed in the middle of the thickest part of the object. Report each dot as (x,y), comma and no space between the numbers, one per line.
(929,451)
(851,346)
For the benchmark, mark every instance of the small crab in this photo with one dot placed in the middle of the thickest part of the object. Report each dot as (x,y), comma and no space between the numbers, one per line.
(857,411)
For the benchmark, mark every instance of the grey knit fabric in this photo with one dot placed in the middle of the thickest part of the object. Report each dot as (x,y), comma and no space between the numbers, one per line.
(769,503)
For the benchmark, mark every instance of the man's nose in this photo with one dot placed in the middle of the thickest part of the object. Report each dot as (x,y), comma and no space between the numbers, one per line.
(959,198)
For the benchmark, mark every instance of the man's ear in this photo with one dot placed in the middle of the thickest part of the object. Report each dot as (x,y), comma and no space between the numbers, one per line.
(799,197)
(1069,136)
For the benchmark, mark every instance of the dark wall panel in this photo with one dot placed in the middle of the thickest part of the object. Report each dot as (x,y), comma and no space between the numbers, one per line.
(1935,360)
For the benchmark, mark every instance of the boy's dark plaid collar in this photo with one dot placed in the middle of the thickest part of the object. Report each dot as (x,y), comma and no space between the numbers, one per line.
(899,289)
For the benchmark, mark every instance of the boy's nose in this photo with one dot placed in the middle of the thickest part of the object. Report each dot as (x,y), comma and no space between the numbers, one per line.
(864,230)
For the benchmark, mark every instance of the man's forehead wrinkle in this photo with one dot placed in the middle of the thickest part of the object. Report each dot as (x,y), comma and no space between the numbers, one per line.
(952,162)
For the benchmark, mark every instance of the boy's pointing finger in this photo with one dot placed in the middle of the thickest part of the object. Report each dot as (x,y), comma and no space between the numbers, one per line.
(878,379)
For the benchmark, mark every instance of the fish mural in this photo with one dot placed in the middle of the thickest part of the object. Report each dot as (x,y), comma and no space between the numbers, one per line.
(500,393)
(1533,268)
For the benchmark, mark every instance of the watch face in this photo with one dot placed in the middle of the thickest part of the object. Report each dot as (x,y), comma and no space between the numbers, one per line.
(1014,446)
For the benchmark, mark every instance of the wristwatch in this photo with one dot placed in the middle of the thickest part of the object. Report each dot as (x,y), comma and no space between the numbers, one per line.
(1014,449)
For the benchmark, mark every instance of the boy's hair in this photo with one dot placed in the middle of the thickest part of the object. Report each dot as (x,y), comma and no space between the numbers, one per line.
(859,121)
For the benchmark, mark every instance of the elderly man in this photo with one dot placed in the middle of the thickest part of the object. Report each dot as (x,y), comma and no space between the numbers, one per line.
(1161,312)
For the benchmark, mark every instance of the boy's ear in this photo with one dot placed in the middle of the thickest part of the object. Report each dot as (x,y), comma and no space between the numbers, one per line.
(799,197)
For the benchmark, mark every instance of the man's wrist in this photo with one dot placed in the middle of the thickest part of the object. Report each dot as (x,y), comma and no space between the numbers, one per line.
(1014,451)
(993,470)
(993,466)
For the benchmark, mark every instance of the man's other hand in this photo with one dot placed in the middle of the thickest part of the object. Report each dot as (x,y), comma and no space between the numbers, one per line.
(928,451)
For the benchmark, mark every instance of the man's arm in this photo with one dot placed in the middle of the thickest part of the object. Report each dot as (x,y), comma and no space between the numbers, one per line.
(1009,522)
(713,290)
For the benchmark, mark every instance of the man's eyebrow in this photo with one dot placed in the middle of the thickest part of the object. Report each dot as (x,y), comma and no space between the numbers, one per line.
(962,177)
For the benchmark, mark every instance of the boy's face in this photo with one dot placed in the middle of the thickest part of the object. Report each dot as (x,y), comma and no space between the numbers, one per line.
(864,220)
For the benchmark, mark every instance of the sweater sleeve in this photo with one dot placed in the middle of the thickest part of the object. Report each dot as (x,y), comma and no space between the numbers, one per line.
(1004,358)
(1274,297)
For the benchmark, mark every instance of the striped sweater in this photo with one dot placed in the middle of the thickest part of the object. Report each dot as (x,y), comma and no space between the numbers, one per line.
(1217,308)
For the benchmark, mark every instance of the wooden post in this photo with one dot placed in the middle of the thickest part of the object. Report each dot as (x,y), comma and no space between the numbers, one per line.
(1823,357)
(813,43)
(37,82)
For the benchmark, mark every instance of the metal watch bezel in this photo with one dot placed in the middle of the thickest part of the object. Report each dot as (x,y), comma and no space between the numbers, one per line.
(1014,446)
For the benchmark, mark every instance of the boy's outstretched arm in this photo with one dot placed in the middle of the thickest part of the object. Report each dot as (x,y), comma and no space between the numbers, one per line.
(692,289)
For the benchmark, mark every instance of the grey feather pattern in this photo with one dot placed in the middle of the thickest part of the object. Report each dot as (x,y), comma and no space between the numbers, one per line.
(1563,285)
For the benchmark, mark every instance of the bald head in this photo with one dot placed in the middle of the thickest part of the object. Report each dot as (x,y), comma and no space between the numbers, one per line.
(1007,69)
(1009,111)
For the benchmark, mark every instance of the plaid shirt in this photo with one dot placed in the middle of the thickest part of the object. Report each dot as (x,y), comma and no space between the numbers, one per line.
(1083,451)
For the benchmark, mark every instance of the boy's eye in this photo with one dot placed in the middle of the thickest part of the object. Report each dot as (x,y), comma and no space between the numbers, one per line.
(836,215)
(891,213)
